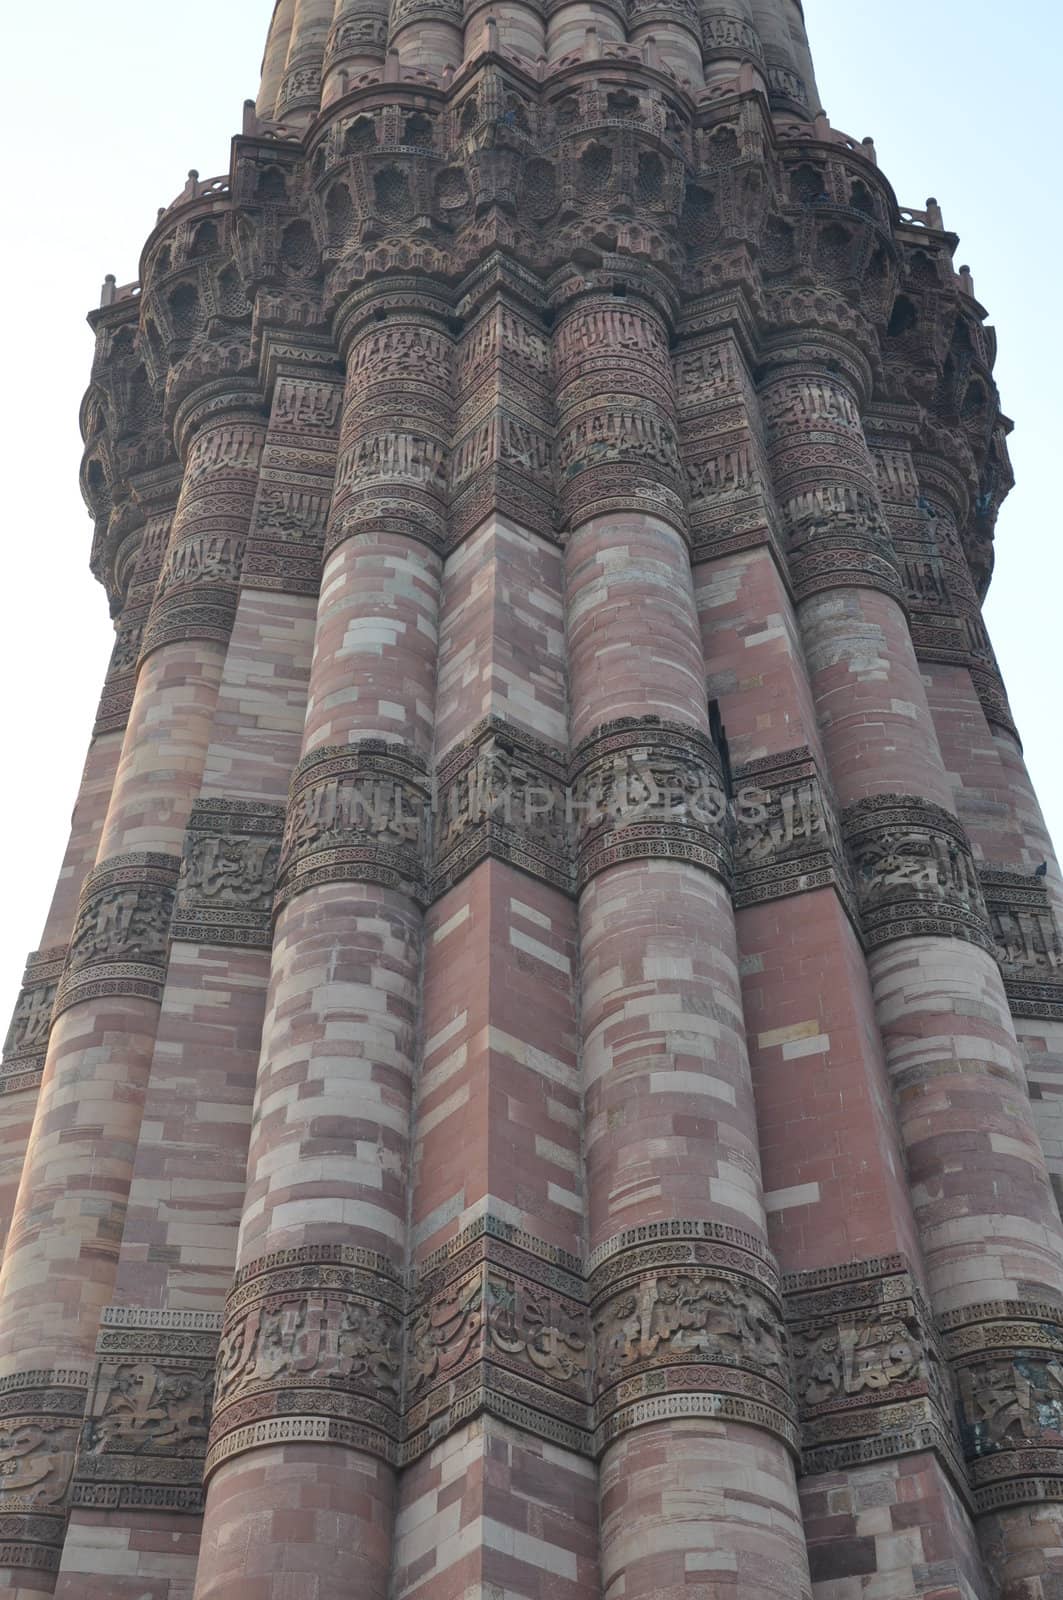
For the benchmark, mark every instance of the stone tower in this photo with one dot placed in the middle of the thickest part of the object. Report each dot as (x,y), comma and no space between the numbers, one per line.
(538,1077)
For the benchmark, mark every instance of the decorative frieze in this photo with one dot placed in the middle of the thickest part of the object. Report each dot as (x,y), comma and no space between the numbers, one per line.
(116,698)
(121,937)
(688,1327)
(787,838)
(836,534)
(228,873)
(617,439)
(287,534)
(1027,942)
(503,456)
(868,1368)
(502,794)
(144,1438)
(40,1419)
(1007,1357)
(644,788)
(358,813)
(729,503)
(499,1328)
(393,461)
(311,1350)
(196,592)
(914,871)
(26,1044)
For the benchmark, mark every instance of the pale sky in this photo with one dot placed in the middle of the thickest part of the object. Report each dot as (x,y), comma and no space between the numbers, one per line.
(108,105)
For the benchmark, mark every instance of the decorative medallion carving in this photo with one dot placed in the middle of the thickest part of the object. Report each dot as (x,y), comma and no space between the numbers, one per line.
(688,1324)
(40,1419)
(870,1377)
(311,1349)
(1007,1357)
(497,1327)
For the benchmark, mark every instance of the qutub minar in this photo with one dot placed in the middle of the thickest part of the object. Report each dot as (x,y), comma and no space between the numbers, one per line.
(543,1075)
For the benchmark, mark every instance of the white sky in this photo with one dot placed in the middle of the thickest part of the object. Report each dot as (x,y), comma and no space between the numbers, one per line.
(110,104)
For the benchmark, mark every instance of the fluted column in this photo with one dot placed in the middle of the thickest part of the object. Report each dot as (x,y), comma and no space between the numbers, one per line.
(675,29)
(791,81)
(697,1483)
(878,1456)
(356,44)
(729,41)
(274,58)
(1021,883)
(323,1234)
(26,1043)
(426,34)
(975,1168)
(62,1251)
(138,1481)
(299,95)
(569,21)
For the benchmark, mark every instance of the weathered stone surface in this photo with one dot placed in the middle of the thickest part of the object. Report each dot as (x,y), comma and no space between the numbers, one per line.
(542,1073)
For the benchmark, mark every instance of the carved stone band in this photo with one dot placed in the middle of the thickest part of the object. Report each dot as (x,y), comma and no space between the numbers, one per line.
(358,813)
(502,794)
(145,1434)
(1027,940)
(295,481)
(787,837)
(870,1377)
(40,1419)
(116,698)
(1007,1360)
(840,551)
(643,788)
(688,1327)
(914,872)
(228,873)
(677,1319)
(122,934)
(312,1344)
(498,1328)
(26,1043)
(195,596)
